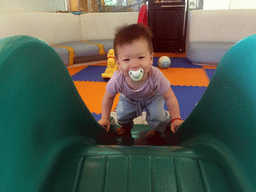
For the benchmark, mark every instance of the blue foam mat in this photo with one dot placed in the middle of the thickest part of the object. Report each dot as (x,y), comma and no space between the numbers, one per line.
(96,116)
(187,97)
(210,73)
(91,73)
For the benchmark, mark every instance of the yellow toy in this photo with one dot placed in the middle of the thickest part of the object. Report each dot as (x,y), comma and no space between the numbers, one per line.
(112,65)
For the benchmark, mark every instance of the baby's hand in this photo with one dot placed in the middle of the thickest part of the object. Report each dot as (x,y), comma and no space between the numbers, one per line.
(105,123)
(175,125)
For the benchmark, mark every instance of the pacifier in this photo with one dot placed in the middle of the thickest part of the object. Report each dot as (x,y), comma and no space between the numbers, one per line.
(136,75)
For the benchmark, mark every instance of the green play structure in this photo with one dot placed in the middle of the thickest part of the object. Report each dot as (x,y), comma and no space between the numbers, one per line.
(50,142)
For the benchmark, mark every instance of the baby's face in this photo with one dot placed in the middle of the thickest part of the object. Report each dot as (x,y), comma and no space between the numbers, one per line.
(135,56)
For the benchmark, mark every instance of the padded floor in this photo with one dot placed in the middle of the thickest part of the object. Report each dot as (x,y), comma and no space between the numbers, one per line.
(137,169)
(188,82)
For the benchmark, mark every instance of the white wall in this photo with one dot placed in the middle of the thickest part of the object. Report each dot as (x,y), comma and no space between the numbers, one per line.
(102,25)
(243,4)
(32,5)
(216,4)
(229,4)
(221,25)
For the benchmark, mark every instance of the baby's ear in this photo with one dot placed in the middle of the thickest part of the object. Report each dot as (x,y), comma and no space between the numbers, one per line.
(151,58)
(117,62)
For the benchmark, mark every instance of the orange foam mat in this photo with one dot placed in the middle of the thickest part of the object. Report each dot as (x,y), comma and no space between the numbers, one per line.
(157,54)
(74,70)
(100,64)
(209,67)
(186,77)
(92,94)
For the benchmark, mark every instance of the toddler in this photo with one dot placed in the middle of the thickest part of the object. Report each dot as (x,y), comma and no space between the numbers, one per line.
(140,84)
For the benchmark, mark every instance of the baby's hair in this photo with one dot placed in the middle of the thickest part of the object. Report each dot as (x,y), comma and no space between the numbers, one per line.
(126,34)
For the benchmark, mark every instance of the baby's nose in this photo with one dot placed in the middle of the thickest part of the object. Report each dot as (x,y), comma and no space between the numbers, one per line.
(134,66)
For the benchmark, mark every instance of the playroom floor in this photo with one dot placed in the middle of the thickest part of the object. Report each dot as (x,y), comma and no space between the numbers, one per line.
(188,82)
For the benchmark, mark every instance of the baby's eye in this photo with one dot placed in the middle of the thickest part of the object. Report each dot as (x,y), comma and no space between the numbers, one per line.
(126,60)
(141,57)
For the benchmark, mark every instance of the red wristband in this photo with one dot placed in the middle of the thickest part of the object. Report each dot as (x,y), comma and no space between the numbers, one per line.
(175,119)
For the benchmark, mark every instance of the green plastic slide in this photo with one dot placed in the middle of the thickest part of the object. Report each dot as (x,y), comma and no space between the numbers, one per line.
(51,142)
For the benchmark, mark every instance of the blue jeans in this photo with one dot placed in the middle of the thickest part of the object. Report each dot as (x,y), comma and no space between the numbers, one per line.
(156,116)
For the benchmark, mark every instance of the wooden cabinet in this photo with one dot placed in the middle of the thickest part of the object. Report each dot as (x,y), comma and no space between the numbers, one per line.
(168,23)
